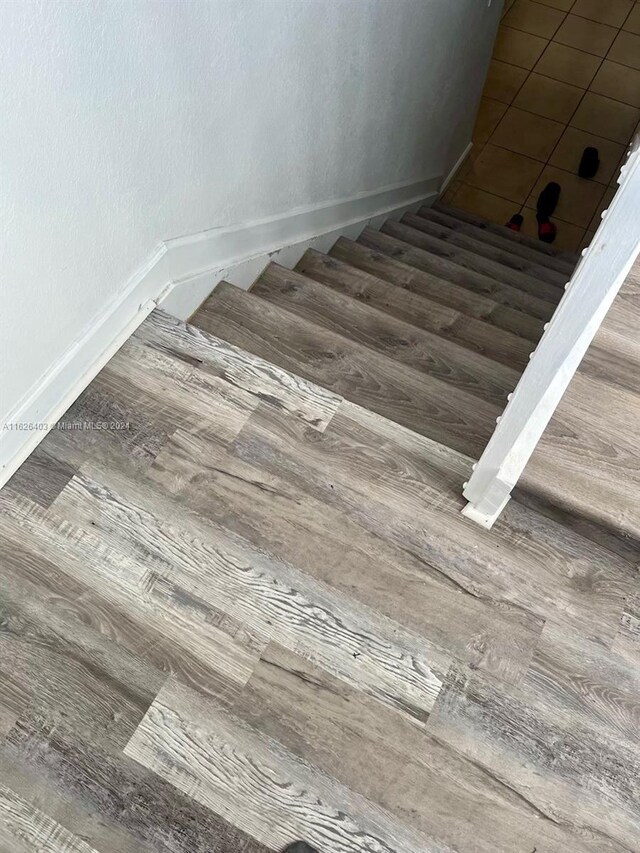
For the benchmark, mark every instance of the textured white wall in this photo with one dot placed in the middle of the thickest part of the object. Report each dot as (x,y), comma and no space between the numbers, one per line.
(129,121)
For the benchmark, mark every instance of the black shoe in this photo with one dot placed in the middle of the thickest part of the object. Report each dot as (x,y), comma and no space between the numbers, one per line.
(589,164)
(548,201)
(515,223)
(299,847)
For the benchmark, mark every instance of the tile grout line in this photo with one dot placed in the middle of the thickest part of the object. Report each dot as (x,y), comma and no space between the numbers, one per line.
(545,162)
(512,105)
(528,77)
(565,125)
(524,83)
(526,80)
(510,201)
(562,44)
(604,59)
(573,114)
(572,47)
(586,92)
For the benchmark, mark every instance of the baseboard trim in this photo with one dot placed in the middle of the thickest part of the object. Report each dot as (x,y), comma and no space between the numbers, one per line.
(44,404)
(180,274)
(456,168)
(239,253)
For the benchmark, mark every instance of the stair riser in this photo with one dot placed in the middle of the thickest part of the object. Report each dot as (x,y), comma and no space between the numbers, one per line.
(506,233)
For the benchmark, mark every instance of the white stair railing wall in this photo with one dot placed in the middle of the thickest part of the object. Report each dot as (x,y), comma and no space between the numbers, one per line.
(593,287)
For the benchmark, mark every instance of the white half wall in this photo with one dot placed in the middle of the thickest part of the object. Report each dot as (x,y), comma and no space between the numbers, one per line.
(129,125)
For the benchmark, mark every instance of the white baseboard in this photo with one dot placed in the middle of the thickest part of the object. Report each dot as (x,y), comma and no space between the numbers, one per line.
(239,253)
(45,403)
(456,168)
(180,274)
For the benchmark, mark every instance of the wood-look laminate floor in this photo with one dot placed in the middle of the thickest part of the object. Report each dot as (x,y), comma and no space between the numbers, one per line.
(255,614)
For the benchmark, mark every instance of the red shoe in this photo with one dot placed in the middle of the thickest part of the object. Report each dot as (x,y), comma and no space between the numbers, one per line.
(546,230)
(515,223)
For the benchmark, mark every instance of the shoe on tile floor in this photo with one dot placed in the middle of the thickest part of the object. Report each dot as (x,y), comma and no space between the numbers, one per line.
(546,229)
(547,203)
(515,223)
(300,847)
(548,200)
(589,164)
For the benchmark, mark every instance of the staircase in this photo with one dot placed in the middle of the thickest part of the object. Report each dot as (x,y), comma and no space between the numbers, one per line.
(425,322)
(256,612)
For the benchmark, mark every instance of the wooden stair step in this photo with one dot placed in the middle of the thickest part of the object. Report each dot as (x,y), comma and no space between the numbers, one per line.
(477,282)
(507,233)
(355,464)
(373,260)
(587,461)
(473,262)
(280,518)
(475,334)
(504,257)
(252,376)
(394,338)
(423,403)
(499,241)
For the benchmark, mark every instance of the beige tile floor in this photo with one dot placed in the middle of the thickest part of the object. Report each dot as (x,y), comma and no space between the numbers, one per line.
(565,75)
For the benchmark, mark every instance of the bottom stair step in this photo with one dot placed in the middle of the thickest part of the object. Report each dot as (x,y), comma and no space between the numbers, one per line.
(514,236)
(498,241)
(480,246)
(420,402)
(394,338)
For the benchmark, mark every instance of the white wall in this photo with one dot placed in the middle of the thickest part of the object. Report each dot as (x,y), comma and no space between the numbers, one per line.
(126,122)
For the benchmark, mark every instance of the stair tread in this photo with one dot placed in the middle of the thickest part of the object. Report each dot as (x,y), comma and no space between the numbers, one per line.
(423,403)
(251,375)
(507,233)
(587,459)
(281,518)
(450,323)
(419,349)
(502,256)
(361,453)
(482,234)
(477,282)
(375,261)
(473,262)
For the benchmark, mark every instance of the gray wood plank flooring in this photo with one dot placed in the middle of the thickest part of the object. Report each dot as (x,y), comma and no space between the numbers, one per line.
(109,798)
(591,442)
(477,335)
(250,611)
(593,783)
(400,341)
(24,829)
(424,403)
(267,790)
(390,267)
(393,240)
